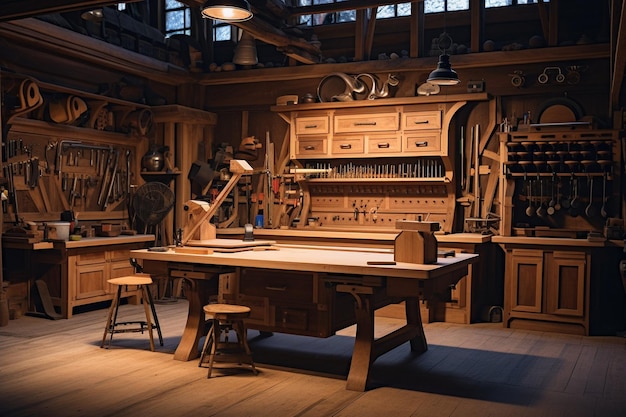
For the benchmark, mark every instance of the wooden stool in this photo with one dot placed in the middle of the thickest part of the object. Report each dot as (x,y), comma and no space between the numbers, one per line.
(225,317)
(143,281)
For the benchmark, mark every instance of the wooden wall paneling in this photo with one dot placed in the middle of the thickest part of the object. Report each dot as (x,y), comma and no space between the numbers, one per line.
(188,129)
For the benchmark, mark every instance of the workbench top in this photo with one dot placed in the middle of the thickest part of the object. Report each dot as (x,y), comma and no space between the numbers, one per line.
(83,243)
(318,233)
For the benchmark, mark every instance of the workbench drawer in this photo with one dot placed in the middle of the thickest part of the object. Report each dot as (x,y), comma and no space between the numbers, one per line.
(421,120)
(91,258)
(348,145)
(313,146)
(387,143)
(423,142)
(313,125)
(375,122)
(289,287)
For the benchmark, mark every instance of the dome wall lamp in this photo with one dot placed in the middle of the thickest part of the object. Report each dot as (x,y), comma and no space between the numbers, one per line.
(444,74)
(227,10)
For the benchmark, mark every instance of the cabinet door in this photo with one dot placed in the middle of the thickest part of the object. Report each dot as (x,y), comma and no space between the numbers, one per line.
(91,280)
(565,288)
(525,275)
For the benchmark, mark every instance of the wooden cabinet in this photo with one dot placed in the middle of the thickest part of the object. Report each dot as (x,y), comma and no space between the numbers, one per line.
(548,289)
(90,271)
(75,272)
(370,163)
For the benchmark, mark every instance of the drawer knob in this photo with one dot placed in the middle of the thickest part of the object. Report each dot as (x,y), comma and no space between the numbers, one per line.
(421,144)
(421,122)
(345,146)
(309,148)
(310,126)
(383,145)
(365,124)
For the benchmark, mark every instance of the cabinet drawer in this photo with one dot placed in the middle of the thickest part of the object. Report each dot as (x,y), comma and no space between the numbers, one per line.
(347,145)
(384,143)
(312,146)
(376,122)
(287,287)
(312,125)
(426,142)
(91,258)
(421,120)
(119,255)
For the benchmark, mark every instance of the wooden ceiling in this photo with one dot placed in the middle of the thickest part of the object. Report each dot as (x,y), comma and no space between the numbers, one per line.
(270,15)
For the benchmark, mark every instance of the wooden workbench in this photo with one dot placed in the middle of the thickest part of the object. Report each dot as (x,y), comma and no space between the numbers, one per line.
(75,272)
(316,277)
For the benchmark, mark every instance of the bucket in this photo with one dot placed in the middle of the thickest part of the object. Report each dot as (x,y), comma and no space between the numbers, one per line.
(59,230)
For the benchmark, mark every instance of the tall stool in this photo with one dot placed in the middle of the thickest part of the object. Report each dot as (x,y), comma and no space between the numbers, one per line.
(223,318)
(152,322)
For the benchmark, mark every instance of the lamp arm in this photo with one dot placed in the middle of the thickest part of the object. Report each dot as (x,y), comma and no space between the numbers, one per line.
(238,168)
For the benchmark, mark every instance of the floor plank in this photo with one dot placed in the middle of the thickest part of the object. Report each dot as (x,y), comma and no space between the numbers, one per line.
(57,368)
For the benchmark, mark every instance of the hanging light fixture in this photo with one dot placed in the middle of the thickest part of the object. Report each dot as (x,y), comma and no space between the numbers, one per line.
(444,74)
(227,10)
(95,15)
(245,52)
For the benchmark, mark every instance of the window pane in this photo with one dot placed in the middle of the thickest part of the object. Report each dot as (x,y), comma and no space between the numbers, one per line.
(434,6)
(385,12)
(404,9)
(173,4)
(498,3)
(222,33)
(458,5)
(175,20)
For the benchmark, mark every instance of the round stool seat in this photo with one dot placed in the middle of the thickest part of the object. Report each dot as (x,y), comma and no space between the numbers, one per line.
(131,280)
(227,311)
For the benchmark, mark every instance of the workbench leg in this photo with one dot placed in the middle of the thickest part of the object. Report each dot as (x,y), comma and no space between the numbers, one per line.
(363,353)
(414,319)
(198,292)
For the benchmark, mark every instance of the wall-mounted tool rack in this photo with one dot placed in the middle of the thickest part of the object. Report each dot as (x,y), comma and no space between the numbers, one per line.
(559,183)
(65,149)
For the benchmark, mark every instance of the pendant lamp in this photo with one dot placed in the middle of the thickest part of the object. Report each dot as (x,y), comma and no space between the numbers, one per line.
(444,74)
(245,52)
(227,10)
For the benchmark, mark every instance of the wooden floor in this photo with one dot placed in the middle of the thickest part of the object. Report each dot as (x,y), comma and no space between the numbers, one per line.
(56,368)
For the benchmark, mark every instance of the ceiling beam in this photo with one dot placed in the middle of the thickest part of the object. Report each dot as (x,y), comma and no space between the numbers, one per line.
(20,9)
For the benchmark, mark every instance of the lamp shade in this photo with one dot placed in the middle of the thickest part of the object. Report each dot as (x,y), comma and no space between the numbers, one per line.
(245,52)
(227,10)
(444,74)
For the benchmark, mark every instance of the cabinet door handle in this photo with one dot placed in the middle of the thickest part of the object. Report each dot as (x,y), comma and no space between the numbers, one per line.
(383,145)
(421,122)
(421,144)
(310,126)
(365,124)
(271,288)
(309,148)
(345,146)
